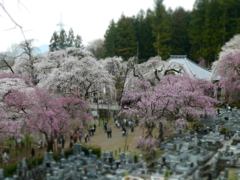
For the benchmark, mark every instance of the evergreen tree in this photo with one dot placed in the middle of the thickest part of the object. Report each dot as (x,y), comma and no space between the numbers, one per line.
(230,18)
(54,42)
(126,38)
(70,38)
(212,34)
(197,29)
(110,40)
(179,31)
(199,33)
(63,39)
(143,27)
(78,42)
(161,30)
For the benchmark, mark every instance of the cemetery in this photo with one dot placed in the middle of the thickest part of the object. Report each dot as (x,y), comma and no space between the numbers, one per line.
(208,154)
(165,116)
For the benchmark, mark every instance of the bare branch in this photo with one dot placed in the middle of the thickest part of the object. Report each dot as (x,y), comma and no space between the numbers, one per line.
(156,75)
(20,27)
(169,70)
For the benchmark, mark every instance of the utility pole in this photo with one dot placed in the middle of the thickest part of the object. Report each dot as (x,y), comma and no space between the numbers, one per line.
(137,51)
(60,24)
(158,42)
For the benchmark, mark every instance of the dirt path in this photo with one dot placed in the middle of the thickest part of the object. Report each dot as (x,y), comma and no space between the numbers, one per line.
(117,141)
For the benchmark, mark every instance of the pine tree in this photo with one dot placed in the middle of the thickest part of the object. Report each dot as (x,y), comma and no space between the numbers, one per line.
(197,29)
(179,31)
(161,30)
(126,38)
(54,42)
(78,42)
(110,40)
(230,18)
(63,39)
(70,38)
(212,34)
(143,27)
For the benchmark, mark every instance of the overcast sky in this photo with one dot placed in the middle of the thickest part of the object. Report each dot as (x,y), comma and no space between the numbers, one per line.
(88,18)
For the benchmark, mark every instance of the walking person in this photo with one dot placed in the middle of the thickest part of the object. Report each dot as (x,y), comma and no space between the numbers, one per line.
(105,127)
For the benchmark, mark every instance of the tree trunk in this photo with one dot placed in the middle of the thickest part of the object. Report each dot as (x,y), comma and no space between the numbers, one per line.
(160,131)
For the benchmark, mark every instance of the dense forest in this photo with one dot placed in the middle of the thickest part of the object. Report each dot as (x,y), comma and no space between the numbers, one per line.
(199,33)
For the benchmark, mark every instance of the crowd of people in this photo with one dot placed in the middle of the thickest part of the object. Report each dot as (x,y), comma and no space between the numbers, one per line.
(82,136)
(123,125)
(78,135)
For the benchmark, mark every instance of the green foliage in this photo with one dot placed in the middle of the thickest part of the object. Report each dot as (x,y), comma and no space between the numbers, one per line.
(78,42)
(68,152)
(179,32)
(234,177)
(70,38)
(235,105)
(161,30)
(103,113)
(143,28)
(95,150)
(62,40)
(110,40)
(224,130)
(167,173)
(126,41)
(193,125)
(10,170)
(32,163)
(28,139)
(197,33)
(54,42)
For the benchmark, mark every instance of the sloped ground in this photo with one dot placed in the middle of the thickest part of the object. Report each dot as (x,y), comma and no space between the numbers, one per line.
(117,141)
(116,144)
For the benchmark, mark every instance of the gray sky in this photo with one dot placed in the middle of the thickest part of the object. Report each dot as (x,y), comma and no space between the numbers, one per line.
(88,18)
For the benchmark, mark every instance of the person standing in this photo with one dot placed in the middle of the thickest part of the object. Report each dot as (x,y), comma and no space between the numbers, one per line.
(71,144)
(105,127)
(5,158)
(123,133)
(63,142)
(75,138)
(132,128)
(86,137)
(110,132)
(92,131)
(33,152)
(80,137)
